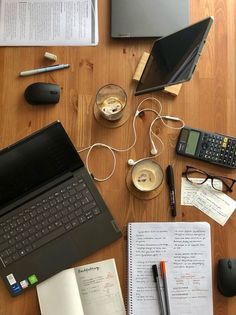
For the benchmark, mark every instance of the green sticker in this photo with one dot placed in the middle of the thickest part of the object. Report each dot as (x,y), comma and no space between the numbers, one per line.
(32,279)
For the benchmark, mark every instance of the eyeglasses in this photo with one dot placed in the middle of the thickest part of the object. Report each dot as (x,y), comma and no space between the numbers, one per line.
(216,181)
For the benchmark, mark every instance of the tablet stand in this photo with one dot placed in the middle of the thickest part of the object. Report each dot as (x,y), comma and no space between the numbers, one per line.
(172,89)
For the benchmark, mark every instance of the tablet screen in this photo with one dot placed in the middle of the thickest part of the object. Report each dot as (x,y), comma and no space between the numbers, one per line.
(173,58)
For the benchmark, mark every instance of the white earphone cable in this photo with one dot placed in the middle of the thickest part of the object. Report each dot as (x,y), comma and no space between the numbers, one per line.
(151,133)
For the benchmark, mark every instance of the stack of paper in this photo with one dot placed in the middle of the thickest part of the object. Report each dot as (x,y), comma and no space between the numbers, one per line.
(48,23)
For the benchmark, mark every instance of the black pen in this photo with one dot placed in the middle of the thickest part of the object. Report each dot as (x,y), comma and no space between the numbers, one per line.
(156,279)
(171,184)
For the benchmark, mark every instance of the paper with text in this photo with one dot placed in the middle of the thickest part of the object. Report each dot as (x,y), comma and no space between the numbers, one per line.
(186,247)
(99,289)
(215,204)
(189,190)
(48,23)
(86,290)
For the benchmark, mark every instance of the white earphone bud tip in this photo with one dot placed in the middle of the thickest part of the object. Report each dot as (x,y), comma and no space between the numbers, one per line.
(153,151)
(131,162)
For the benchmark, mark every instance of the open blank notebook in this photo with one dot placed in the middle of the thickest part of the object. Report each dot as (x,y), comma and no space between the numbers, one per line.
(186,248)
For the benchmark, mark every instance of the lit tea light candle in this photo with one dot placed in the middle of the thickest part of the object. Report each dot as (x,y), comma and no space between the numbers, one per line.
(147,175)
(112,107)
(111,100)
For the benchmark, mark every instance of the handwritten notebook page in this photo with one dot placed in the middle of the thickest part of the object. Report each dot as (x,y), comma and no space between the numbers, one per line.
(99,288)
(92,289)
(186,247)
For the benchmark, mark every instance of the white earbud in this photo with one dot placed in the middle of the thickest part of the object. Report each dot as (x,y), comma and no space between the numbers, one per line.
(153,149)
(131,162)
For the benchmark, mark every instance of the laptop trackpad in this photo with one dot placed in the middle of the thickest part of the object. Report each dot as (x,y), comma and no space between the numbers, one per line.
(55,256)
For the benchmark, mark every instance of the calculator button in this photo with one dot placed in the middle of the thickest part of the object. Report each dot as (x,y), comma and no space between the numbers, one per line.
(204,145)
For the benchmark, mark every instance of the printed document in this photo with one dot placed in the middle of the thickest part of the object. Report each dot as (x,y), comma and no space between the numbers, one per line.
(48,22)
(186,248)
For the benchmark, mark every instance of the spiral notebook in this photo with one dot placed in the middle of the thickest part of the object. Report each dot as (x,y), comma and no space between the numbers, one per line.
(186,248)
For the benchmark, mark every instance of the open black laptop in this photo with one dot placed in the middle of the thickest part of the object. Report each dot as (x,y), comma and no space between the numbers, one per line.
(51,213)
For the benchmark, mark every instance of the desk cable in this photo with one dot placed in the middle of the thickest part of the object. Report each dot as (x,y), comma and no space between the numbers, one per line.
(154,151)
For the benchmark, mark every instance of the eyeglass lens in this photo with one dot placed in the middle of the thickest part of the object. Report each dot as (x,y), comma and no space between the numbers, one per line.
(192,173)
(218,183)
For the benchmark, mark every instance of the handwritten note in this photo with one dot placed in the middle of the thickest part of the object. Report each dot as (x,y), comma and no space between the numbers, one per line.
(86,290)
(189,190)
(215,204)
(99,289)
(186,247)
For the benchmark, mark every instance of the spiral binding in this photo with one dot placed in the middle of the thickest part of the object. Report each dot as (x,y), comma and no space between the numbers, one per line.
(130,272)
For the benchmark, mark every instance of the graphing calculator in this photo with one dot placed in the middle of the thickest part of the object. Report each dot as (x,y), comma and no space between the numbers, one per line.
(210,147)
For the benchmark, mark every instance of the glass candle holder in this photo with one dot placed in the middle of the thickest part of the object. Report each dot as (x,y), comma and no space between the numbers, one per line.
(147,175)
(111,100)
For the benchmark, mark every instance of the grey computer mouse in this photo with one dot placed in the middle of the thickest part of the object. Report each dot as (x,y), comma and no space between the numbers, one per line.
(40,93)
(226,276)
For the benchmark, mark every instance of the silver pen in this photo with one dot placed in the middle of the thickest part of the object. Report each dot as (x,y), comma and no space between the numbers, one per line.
(156,279)
(166,293)
(41,70)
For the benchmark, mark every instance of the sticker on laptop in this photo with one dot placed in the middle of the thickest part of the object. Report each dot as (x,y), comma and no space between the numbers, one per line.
(24,284)
(15,288)
(33,279)
(11,279)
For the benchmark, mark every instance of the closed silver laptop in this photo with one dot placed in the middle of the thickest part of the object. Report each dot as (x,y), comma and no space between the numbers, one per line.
(149,18)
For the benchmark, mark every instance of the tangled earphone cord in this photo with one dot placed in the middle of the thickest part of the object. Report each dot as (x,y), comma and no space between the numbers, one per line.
(151,133)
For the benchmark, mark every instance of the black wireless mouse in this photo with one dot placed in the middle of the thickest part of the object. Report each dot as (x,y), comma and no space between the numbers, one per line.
(226,276)
(42,93)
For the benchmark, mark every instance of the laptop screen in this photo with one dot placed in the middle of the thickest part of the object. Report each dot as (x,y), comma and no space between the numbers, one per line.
(173,58)
(35,161)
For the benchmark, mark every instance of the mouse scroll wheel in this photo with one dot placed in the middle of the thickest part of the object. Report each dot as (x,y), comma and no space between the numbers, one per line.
(53,92)
(229,264)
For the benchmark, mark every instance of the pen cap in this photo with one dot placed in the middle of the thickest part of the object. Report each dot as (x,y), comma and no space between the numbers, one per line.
(155,272)
(50,56)
(163,267)
(170,176)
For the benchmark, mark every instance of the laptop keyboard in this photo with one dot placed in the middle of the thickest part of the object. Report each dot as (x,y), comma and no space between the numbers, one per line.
(64,209)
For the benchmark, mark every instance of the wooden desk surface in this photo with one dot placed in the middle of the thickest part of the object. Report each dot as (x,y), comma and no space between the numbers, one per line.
(206,102)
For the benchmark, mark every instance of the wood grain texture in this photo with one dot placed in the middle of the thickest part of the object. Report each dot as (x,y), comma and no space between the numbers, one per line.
(207,102)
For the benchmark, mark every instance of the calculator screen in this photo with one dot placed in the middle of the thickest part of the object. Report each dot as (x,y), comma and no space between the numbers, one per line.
(192,142)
